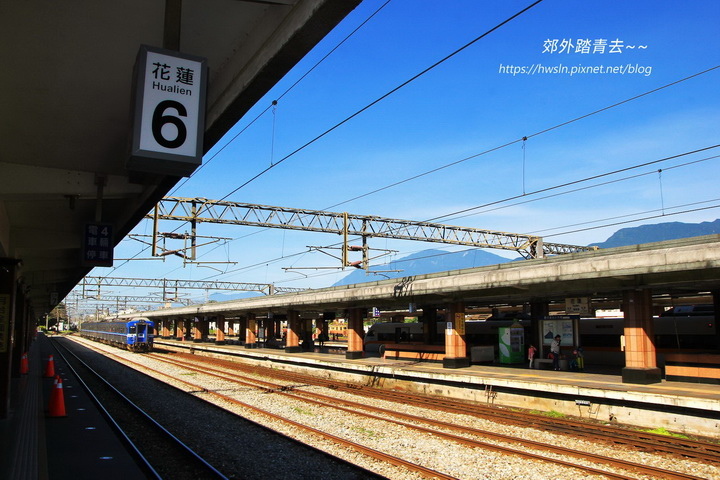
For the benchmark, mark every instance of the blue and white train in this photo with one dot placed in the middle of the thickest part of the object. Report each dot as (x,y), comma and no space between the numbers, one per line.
(135,335)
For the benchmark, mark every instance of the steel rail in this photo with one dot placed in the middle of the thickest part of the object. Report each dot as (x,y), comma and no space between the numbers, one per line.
(201,461)
(385,415)
(378,455)
(686,447)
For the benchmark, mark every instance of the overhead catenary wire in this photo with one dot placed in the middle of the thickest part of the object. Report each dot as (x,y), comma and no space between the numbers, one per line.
(578,181)
(381,98)
(285,92)
(616,104)
(523,139)
(263,112)
(378,100)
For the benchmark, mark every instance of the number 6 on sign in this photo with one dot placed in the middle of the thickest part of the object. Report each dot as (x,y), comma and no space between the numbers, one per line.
(159,120)
(169,119)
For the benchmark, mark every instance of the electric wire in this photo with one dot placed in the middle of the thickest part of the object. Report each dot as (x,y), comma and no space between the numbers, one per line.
(262,113)
(529,136)
(522,139)
(644,164)
(285,92)
(380,99)
(575,190)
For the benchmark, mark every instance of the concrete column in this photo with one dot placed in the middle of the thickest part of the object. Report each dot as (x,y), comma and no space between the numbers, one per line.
(640,357)
(21,343)
(322,330)
(250,328)
(197,329)
(180,328)
(242,328)
(270,330)
(455,345)
(294,331)
(230,325)
(716,303)
(538,309)
(220,330)
(8,292)
(429,322)
(164,330)
(355,333)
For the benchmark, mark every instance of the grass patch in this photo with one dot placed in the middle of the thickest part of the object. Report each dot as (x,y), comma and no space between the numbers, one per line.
(554,414)
(302,411)
(663,431)
(365,431)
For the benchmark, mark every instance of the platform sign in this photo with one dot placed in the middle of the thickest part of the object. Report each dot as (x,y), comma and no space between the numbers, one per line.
(97,245)
(169,119)
(577,306)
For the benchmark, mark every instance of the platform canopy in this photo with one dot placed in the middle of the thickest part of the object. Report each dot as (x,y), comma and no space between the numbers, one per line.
(65,128)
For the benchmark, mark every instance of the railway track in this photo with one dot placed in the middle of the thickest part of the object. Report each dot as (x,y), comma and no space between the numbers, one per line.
(462,433)
(643,441)
(535,451)
(702,451)
(150,441)
(241,449)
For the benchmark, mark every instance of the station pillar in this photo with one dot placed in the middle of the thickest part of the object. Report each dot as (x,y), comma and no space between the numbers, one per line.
(640,356)
(164,331)
(197,329)
(716,304)
(230,326)
(292,339)
(455,345)
(270,330)
(321,326)
(354,333)
(250,329)
(180,329)
(220,330)
(429,323)
(8,292)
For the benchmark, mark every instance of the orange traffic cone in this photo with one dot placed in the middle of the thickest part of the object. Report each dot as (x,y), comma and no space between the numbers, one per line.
(24,367)
(49,367)
(57,399)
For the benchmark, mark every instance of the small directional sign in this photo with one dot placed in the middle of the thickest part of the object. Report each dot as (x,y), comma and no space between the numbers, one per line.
(97,248)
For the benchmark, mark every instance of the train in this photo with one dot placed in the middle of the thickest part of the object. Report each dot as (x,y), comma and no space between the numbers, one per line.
(683,329)
(135,335)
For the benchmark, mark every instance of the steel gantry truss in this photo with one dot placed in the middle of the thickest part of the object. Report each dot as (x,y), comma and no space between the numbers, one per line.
(90,286)
(196,210)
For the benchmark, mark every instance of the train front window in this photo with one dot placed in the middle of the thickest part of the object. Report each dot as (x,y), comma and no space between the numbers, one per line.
(132,329)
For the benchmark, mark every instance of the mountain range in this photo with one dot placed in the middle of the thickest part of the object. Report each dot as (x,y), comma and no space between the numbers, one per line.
(431,261)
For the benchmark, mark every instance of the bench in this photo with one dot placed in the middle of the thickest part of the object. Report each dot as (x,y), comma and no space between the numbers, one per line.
(542,363)
(546,363)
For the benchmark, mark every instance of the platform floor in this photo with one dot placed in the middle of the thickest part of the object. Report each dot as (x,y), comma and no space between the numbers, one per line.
(81,445)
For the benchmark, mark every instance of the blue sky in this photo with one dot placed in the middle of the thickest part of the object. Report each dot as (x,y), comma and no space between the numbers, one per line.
(467,105)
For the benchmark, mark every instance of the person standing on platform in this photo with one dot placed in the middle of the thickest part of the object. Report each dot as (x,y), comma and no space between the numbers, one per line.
(531,354)
(555,351)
